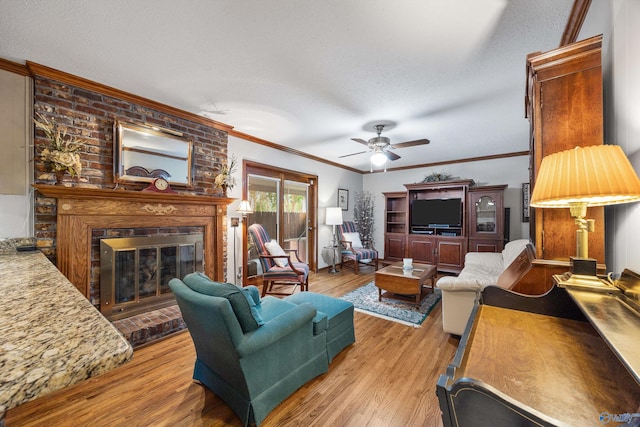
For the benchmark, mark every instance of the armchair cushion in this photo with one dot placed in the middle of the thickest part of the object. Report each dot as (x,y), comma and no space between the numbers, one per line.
(274,249)
(354,238)
(239,303)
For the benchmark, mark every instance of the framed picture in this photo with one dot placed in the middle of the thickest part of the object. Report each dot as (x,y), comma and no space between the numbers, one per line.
(343,199)
(525,202)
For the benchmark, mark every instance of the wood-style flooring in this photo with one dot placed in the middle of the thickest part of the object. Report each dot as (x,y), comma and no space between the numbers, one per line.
(387,378)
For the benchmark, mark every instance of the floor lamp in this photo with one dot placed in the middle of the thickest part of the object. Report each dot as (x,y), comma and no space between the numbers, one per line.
(234,223)
(334,217)
(244,209)
(595,175)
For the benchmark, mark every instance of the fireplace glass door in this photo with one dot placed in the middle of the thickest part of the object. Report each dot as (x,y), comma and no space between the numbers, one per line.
(135,272)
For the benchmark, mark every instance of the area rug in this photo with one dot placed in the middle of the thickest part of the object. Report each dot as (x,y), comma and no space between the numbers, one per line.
(365,300)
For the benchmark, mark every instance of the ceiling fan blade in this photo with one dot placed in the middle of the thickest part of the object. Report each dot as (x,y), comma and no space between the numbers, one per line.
(361,141)
(411,143)
(352,154)
(391,155)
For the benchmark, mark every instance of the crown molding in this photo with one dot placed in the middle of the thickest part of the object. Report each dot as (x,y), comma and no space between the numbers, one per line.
(37,70)
(14,67)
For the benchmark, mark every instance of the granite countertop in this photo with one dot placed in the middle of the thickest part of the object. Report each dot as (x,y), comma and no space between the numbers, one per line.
(50,334)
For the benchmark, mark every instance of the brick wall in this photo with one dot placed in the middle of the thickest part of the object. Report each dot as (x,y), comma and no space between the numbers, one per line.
(90,115)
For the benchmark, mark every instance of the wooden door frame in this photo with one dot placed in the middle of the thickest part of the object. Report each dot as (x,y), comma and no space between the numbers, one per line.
(255,168)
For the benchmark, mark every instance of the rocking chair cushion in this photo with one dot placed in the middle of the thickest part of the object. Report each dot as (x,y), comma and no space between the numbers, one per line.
(274,249)
(239,303)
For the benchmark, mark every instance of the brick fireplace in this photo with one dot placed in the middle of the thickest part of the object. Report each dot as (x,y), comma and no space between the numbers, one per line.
(70,221)
(84,212)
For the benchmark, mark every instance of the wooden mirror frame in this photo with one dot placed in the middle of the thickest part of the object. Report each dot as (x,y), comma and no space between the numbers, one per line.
(144,152)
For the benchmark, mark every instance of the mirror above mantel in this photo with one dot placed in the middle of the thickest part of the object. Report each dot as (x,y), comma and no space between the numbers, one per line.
(144,152)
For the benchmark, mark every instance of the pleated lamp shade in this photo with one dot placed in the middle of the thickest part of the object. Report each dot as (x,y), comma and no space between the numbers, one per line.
(595,175)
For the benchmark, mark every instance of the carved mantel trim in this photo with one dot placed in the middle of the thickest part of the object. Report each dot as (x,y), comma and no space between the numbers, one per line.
(80,210)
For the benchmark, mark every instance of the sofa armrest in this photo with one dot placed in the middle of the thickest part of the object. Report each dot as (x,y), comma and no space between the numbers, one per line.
(457,284)
(277,328)
(485,260)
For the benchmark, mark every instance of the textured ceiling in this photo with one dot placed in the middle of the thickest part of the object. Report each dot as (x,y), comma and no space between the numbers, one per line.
(309,74)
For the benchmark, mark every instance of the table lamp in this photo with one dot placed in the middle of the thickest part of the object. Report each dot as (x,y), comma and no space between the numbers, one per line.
(244,208)
(334,217)
(582,177)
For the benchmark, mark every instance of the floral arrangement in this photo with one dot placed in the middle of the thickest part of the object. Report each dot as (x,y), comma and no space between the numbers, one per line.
(437,177)
(63,154)
(224,179)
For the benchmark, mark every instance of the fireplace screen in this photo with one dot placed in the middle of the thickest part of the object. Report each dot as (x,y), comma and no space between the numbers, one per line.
(135,272)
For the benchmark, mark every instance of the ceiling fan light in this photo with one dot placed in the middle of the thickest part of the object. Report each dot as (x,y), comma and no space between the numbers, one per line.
(378,158)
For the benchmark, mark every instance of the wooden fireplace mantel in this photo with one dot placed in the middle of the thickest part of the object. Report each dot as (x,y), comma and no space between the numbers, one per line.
(80,210)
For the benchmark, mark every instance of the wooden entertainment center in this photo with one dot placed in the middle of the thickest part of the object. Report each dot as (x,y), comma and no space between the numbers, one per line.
(480,226)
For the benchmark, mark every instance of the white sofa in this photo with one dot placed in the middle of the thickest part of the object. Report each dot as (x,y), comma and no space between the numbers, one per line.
(481,269)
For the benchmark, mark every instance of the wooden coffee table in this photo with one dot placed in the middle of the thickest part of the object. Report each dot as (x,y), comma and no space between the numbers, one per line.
(406,285)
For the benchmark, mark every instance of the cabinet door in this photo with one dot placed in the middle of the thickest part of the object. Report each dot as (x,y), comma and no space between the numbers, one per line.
(393,246)
(486,214)
(451,254)
(422,249)
(479,245)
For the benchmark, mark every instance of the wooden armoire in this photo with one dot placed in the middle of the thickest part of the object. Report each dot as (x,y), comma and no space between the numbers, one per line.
(564,106)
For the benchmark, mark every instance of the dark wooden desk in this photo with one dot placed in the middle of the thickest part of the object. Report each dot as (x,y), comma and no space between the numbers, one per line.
(540,364)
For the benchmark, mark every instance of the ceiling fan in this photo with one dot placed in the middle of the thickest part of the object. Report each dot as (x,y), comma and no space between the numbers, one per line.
(380,146)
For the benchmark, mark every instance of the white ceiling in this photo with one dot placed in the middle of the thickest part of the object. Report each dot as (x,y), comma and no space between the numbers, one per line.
(309,74)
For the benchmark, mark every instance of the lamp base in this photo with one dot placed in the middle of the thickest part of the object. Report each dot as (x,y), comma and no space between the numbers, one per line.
(583,266)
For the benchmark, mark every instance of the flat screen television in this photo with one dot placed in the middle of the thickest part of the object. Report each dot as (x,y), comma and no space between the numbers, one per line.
(436,213)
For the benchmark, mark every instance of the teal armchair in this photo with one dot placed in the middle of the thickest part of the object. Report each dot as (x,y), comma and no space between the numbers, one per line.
(253,353)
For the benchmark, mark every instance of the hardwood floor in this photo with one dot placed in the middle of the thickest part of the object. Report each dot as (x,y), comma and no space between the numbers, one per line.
(387,378)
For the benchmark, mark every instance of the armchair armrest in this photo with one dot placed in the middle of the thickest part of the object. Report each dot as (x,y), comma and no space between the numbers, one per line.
(346,245)
(255,293)
(289,263)
(295,252)
(277,328)
(367,243)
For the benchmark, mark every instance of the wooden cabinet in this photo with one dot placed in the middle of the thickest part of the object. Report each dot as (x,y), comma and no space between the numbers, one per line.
(447,253)
(474,221)
(422,249)
(486,218)
(565,110)
(395,212)
(395,225)
(443,243)
(394,246)
(450,253)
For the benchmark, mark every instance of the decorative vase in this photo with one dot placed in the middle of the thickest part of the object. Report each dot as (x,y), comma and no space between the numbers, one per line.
(224,190)
(59,177)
